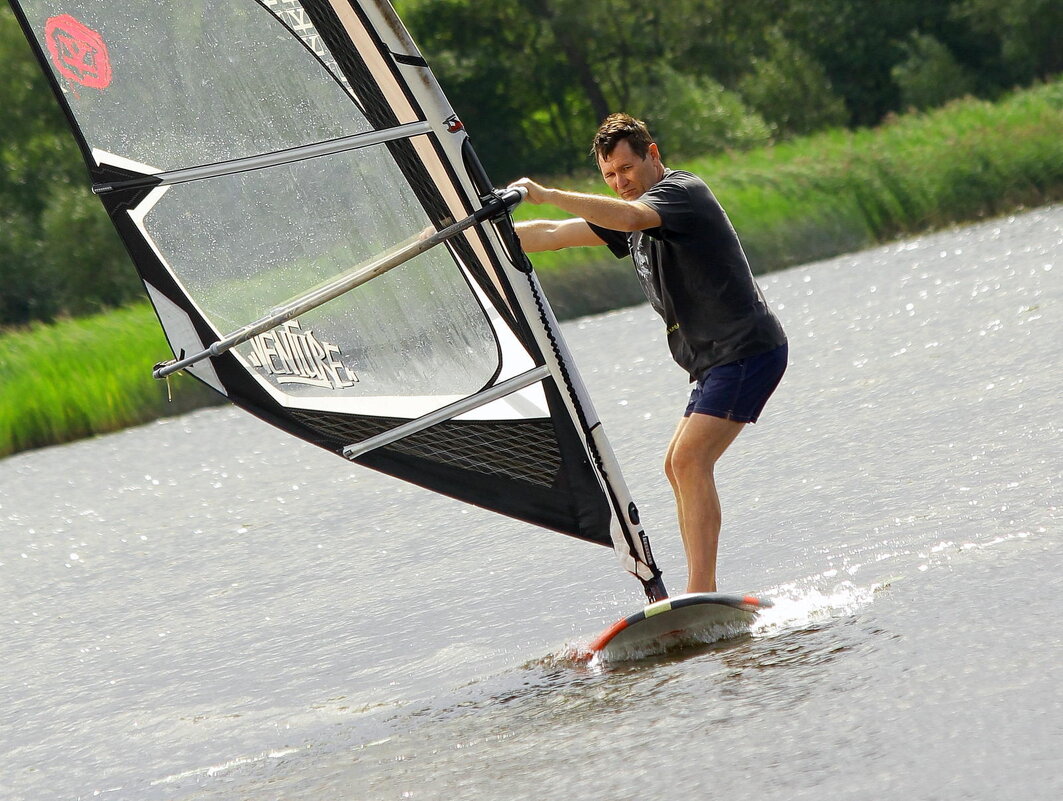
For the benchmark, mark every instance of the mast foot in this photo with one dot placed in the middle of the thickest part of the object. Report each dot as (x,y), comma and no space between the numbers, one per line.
(655,590)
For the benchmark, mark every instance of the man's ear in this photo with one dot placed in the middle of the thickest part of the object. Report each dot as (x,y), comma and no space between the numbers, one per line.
(653,152)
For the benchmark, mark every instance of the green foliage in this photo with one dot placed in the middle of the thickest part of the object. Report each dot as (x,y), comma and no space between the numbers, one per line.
(84,264)
(855,42)
(532,78)
(1029,33)
(519,103)
(690,115)
(24,294)
(36,149)
(58,251)
(791,90)
(930,75)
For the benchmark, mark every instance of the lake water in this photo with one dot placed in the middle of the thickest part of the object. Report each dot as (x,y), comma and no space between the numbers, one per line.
(205,608)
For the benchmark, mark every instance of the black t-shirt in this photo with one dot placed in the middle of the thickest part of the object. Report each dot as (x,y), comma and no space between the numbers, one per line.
(696,276)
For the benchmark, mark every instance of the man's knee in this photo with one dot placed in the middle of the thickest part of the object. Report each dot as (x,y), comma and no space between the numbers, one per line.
(686,460)
(669,468)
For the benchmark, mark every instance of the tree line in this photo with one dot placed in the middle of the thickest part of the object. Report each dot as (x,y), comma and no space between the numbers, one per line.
(531,79)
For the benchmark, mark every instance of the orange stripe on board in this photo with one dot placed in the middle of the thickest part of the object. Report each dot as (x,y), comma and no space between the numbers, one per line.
(602,641)
(751,602)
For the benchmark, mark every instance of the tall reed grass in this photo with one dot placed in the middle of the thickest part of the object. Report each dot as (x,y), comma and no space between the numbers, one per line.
(86,376)
(798,201)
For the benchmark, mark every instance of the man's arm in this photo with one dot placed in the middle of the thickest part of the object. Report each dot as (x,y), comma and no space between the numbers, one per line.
(608,212)
(539,235)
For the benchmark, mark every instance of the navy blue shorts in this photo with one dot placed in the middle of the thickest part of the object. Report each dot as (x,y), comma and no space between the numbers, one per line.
(738,390)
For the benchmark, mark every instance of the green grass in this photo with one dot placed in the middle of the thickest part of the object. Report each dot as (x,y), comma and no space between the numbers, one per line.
(791,203)
(86,376)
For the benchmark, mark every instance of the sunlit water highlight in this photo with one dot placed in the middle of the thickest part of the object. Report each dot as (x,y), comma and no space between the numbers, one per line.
(203,608)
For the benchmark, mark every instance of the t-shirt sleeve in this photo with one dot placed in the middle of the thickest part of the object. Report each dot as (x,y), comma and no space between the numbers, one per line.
(616,241)
(670,198)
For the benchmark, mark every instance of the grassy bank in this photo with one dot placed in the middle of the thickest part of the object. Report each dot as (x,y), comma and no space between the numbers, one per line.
(792,203)
(87,376)
(844,190)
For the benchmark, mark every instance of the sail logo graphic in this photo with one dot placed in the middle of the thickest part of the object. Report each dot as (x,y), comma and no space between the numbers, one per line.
(294,356)
(78,52)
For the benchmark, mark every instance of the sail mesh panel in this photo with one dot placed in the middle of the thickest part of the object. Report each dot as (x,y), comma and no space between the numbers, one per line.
(525,450)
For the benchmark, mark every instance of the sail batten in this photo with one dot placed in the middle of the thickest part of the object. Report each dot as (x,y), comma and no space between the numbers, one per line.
(448,412)
(287,195)
(315,150)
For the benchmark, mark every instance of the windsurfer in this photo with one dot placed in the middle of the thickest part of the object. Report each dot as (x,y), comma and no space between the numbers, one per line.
(695,274)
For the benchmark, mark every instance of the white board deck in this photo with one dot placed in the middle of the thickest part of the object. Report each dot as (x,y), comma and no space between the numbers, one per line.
(685,620)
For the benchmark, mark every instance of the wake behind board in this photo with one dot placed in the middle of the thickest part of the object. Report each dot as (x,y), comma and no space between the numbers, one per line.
(685,620)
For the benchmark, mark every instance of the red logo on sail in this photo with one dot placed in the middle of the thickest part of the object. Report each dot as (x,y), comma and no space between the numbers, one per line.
(78,52)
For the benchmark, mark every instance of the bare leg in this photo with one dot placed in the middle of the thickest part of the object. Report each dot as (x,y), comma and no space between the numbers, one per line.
(674,481)
(699,441)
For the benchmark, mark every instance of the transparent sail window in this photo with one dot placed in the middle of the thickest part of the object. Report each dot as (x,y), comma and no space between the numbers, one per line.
(245,244)
(178,84)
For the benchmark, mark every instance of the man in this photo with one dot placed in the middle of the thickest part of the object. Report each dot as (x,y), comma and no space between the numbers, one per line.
(695,274)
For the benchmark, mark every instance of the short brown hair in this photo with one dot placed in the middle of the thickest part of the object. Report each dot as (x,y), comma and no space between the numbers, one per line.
(617,127)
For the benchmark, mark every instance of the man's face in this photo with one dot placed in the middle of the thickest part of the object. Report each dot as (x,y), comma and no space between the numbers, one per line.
(627,174)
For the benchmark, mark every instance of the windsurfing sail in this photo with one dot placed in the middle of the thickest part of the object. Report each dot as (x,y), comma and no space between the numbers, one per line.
(322,247)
